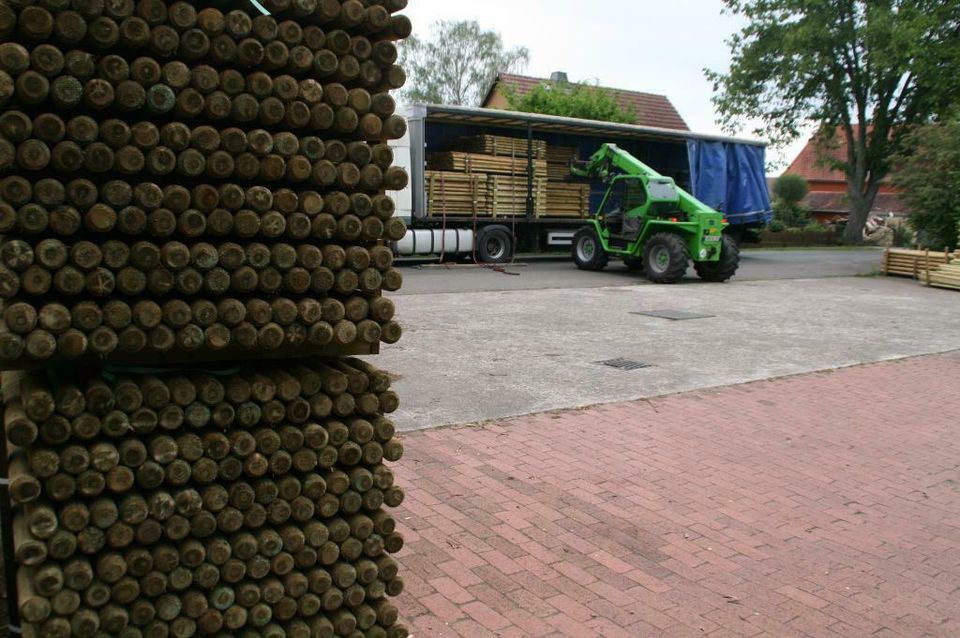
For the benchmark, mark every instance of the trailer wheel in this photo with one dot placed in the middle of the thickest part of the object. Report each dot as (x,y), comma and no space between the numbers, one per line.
(588,252)
(665,258)
(494,245)
(720,271)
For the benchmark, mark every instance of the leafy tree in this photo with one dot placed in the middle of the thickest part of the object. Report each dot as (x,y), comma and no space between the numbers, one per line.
(927,175)
(457,64)
(585,101)
(789,191)
(791,188)
(862,70)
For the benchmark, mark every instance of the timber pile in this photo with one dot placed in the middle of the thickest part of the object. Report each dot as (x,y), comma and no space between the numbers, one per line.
(501,146)
(568,199)
(242,142)
(910,263)
(558,162)
(206,503)
(181,184)
(947,276)
(457,194)
(486,164)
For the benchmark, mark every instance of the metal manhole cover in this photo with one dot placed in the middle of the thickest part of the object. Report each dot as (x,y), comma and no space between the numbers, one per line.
(624,364)
(673,315)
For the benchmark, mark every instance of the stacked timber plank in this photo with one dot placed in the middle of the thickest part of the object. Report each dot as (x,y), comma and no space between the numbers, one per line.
(568,199)
(489,164)
(946,276)
(190,190)
(910,263)
(451,193)
(558,161)
(501,146)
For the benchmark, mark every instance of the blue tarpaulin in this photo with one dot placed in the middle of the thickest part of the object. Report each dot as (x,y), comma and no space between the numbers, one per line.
(731,178)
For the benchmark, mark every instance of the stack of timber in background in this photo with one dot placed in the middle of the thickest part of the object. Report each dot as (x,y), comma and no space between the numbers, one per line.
(946,276)
(911,263)
(188,187)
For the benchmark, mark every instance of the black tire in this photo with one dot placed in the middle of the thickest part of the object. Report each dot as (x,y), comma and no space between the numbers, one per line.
(726,267)
(588,252)
(633,263)
(665,258)
(494,245)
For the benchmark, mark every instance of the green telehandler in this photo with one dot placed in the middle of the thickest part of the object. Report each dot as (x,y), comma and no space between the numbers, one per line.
(650,223)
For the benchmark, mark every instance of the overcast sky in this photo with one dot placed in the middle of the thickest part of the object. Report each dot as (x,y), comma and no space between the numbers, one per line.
(655,46)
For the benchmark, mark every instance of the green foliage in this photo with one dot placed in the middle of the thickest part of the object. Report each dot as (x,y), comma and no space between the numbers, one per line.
(902,236)
(815,227)
(791,188)
(585,101)
(929,178)
(458,64)
(861,69)
(790,215)
(776,226)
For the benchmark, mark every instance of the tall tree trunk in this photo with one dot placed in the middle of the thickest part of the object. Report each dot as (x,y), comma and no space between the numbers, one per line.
(862,197)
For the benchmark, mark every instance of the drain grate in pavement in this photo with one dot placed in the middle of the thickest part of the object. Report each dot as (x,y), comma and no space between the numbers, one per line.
(673,315)
(624,364)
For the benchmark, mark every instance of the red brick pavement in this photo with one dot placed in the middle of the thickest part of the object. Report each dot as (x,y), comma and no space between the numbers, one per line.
(821,505)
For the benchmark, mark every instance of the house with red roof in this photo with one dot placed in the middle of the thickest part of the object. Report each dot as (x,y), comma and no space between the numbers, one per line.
(827,200)
(651,110)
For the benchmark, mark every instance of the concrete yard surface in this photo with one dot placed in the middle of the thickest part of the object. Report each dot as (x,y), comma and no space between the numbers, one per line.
(473,357)
(824,505)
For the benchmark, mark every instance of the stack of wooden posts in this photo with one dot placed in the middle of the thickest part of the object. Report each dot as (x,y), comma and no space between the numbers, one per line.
(946,276)
(500,146)
(187,189)
(910,263)
(558,161)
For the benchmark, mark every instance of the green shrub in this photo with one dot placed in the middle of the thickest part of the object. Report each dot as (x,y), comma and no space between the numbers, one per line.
(790,215)
(776,226)
(790,188)
(816,227)
(902,236)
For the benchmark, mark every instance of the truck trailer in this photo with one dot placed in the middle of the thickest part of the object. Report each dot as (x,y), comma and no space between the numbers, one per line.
(486,184)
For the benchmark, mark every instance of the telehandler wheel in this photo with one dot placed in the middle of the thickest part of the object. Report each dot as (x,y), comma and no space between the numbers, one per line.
(665,258)
(724,269)
(588,252)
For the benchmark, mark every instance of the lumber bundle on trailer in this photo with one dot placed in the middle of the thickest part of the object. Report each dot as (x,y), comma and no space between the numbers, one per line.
(501,146)
(558,161)
(488,164)
(508,196)
(457,194)
(910,263)
(196,503)
(567,200)
(193,229)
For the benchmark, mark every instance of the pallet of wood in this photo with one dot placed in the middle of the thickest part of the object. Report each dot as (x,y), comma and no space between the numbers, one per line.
(946,276)
(507,196)
(457,194)
(567,199)
(500,146)
(910,263)
(558,161)
(489,164)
